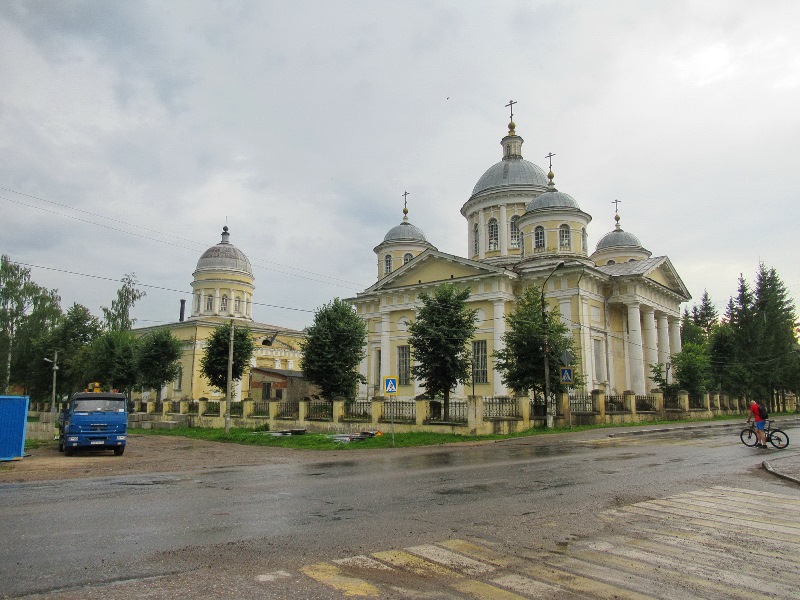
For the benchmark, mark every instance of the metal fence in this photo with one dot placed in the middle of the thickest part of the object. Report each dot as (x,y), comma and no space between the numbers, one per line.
(212,409)
(615,403)
(645,403)
(358,410)
(538,407)
(260,408)
(320,410)
(696,401)
(193,407)
(400,411)
(457,412)
(671,403)
(288,409)
(500,407)
(236,409)
(580,403)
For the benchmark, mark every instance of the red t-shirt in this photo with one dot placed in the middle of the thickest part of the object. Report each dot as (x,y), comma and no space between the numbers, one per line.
(756,414)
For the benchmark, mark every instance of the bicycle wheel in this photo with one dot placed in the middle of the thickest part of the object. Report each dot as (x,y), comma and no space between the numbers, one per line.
(749,437)
(778,438)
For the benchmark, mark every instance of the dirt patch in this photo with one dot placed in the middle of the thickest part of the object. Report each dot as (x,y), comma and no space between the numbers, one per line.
(146,454)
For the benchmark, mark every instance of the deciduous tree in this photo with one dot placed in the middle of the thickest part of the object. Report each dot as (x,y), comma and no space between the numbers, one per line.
(214,363)
(158,359)
(444,326)
(333,348)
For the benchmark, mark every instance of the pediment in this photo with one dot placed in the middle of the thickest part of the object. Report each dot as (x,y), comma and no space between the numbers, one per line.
(433,266)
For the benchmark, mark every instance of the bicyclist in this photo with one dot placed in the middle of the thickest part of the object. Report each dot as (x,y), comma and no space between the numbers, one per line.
(756,415)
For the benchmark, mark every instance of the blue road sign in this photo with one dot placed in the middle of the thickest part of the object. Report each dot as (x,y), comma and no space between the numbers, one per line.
(566,375)
(390,386)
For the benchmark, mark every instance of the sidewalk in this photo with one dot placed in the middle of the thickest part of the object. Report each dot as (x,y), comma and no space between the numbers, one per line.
(781,463)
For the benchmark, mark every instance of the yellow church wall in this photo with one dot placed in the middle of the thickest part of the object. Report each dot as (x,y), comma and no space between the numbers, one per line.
(435,271)
(659,277)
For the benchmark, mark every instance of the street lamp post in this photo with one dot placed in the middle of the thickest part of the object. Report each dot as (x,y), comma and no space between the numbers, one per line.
(230,383)
(548,403)
(55,370)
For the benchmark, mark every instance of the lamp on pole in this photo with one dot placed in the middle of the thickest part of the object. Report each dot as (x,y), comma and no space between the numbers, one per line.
(55,370)
(230,383)
(548,403)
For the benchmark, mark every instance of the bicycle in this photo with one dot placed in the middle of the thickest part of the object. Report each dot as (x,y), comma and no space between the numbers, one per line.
(776,437)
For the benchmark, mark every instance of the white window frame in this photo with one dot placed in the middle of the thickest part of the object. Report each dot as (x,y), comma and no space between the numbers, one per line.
(387,264)
(513,233)
(404,365)
(493,234)
(480,370)
(538,239)
(564,237)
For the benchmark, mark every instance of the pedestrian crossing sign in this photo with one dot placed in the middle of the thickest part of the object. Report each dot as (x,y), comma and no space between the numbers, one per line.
(390,386)
(566,375)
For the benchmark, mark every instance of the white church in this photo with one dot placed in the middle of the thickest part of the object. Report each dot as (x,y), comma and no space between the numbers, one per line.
(622,304)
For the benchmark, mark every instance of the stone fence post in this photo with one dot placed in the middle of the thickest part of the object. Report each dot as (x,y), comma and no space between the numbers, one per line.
(524,409)
(376,409)
(715,402)
(202,405)
(248,408)
(599,403)
(184,407)
(563,405)
(475,414)
(151,407)
(659,400)
(683,400)
(137,406)
(302,410)
(707,401)
(223,406)
(338,410)
(421,412)
(629,401)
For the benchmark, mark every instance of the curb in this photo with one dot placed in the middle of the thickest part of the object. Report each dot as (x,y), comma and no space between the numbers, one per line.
(769,469)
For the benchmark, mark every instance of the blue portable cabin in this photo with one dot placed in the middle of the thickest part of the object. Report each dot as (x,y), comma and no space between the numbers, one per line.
(13,421)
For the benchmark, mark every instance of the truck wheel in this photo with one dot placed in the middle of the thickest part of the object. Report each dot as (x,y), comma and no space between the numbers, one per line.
(60,445)
(118,450)
(69,451)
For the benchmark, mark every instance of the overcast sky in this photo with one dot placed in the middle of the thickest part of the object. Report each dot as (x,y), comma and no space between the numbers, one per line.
(131,131)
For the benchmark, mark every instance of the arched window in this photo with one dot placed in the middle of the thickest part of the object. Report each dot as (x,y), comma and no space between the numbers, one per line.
(224,304)
(387,264)
(493,234)
(514,237)
(564,238)
(198,299)
(611,262)
(538,238)
(407,257)
(209,303)
(237,305)
(476,239)
(178,381)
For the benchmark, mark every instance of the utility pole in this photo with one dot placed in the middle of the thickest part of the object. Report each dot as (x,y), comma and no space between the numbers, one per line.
(230,383)
(55,370)
(546,348)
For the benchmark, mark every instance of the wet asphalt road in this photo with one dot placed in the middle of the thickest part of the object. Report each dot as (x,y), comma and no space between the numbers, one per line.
(229,525)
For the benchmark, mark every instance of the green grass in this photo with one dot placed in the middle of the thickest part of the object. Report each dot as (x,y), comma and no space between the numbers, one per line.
(324,441)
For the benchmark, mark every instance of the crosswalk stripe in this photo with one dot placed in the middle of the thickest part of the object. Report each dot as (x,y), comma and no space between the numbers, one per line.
(332,576)
(714,544)
(530,587)
(362,562)
(479,552)
(457,562)
(270,577)
(415,564)
(580,584)
(674,588)
(726,510)
(485,591)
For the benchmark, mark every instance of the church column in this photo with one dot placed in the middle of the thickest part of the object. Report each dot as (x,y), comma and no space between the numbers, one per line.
(674,335)
(635,354)
(650,339)
(482,235)
(249,304)
(587,358)
(230,301)
(216,301)
(499,331)
(363,390)
(502,230)
(386,356)
(663,339)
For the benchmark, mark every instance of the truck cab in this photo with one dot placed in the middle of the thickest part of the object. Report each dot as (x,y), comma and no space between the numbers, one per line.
(97,420)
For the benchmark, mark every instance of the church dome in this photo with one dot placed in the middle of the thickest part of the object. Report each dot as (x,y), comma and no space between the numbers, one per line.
(510,172)
(552,199)
(404,231)
(224,257)
(618,239)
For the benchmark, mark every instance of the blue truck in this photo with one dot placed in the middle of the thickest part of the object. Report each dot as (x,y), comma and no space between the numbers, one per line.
(93,420)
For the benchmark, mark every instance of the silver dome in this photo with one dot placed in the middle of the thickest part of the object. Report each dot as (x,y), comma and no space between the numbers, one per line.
(224,257)
(512,171)
(552,199)
(617,238)
(404,231)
